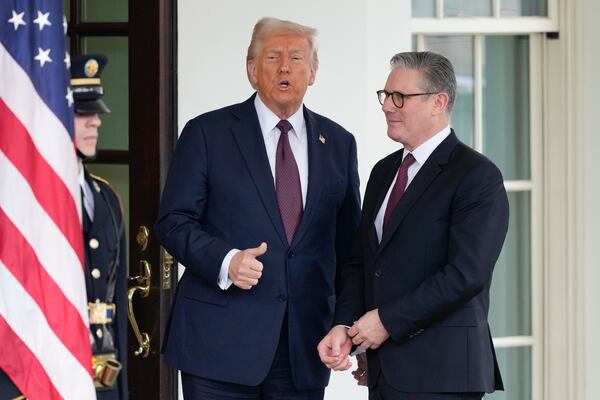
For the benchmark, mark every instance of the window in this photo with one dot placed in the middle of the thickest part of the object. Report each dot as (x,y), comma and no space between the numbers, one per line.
(498,112)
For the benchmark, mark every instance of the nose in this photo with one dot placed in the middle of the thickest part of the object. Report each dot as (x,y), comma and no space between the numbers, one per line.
(284,66)
(388,105)
(95,121)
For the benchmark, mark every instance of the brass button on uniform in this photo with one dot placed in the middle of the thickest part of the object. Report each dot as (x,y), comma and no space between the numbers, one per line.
(99,333)
(94,243)
(96,273)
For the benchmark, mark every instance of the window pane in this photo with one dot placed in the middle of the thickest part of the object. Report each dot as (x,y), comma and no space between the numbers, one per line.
(468,8)
(506,134)
(105,10)
(459,50)
(526,8)
(423,8)
(115,81)
(510,302)
(515,367)
(118,176)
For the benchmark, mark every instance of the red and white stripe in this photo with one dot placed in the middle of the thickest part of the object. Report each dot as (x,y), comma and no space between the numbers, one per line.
(43,307)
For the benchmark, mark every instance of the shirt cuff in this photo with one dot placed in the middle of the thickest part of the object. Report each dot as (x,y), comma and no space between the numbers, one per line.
(224,282)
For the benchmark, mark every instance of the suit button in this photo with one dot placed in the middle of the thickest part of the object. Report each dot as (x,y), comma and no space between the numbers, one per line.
(96,273)
(94,243)
(291,254)
(282,297)
(378,273)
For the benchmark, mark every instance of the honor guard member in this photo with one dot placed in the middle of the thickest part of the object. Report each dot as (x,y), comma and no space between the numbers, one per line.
(104,243)
(103,237)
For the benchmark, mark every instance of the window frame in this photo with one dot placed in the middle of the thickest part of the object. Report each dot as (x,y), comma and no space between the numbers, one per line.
(496,24)
(534,185)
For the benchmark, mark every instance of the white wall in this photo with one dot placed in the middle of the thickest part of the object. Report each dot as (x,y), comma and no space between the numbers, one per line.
(356,40)
(591,198)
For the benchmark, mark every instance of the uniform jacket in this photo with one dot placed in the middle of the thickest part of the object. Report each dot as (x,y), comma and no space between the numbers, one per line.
(220,195)
(102,238)
(430,275)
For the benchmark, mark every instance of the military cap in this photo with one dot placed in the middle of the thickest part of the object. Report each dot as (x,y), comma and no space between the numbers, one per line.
(86,70)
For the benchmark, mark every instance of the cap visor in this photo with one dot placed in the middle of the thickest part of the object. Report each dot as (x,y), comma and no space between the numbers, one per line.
(91,107)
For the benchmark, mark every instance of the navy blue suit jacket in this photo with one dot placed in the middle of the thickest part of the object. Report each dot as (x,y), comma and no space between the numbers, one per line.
(108,231)
(220,195)
(430,275)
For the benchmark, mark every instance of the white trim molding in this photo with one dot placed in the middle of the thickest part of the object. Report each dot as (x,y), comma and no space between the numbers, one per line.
(563,281)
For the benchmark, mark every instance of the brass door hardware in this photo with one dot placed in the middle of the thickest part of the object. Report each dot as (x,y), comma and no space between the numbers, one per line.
(167,268)
(142,237)
(143,286)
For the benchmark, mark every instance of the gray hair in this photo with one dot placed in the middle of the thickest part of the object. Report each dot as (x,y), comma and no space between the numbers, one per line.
(437,72)
(268,27)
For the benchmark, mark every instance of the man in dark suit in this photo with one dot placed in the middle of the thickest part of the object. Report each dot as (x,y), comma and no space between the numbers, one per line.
(434,219)
(260,205)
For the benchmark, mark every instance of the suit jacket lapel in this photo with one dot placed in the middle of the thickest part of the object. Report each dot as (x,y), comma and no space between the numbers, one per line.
(420,183)
(383,186)
(248,136)
(316,153)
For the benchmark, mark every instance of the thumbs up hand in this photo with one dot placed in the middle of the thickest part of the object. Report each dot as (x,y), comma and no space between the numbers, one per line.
(245,270)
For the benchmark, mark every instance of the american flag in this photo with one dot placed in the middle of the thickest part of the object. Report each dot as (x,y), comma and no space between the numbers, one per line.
(44,339)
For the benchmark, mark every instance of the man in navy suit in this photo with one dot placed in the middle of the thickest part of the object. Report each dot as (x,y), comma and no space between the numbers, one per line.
(261,204)
(435,216)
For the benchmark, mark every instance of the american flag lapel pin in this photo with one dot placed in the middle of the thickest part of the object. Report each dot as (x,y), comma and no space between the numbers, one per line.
(322,139)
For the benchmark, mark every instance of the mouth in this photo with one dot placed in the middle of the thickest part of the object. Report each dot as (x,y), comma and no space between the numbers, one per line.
(284,85)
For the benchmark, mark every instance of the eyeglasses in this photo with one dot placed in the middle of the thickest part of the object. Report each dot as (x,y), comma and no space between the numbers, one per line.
(397,97)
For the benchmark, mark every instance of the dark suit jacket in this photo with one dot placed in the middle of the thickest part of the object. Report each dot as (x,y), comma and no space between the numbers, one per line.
(430,276)
(220,195)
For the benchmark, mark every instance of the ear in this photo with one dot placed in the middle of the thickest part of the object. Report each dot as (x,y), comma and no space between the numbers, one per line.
(251,70)
(440,104)
(312,75)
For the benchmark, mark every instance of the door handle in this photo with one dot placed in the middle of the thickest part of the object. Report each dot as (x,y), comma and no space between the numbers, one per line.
(143,286)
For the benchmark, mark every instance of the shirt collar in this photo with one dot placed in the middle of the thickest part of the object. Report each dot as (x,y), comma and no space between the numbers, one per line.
(82,177)
(422,153)
(268,120)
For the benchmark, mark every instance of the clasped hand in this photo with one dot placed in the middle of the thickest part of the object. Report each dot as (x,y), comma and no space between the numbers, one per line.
(368,332)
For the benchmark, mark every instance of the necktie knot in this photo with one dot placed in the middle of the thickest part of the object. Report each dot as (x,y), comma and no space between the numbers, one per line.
(284,126)
(408,161)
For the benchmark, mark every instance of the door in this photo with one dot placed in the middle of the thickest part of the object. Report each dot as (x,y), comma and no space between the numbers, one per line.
(136,141)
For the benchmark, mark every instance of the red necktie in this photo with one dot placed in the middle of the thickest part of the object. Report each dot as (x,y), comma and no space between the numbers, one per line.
(287,183)
(398,189)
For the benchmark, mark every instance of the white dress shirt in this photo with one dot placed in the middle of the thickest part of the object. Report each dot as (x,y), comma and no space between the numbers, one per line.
(421,154)
(88,196)
(299,144)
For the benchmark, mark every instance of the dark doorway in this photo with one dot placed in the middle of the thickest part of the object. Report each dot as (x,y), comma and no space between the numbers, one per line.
(136,143)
